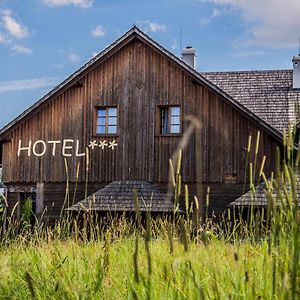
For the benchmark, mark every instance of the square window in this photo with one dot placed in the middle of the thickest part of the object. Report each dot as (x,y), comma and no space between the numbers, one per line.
(107,120)
(170,120)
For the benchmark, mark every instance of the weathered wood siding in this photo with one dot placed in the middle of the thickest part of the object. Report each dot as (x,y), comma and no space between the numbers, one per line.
(136,79)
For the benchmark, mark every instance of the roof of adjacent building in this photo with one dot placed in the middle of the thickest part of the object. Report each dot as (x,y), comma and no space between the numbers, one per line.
(132,33)
(259,197)
(118,197)
(268,94)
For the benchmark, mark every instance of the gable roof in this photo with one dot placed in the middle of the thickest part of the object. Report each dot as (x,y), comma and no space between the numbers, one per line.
(118,196)
(127,37)
(268,94)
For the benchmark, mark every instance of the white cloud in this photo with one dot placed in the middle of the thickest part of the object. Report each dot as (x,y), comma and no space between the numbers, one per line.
(73,57)
(215,14)
(18,49)
(94,53)
(79,3)
(28,84)
(98,31)
(14,27)
(270,23)
(3,38)
(152,26)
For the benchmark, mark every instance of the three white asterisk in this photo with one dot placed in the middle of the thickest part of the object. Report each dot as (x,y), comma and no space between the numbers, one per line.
(103,144)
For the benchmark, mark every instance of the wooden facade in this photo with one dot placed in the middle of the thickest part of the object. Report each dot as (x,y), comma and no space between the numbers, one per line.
(136,77)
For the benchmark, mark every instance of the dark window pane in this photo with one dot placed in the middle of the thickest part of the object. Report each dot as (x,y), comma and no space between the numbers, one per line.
(112,112)
(164,130)
(175,120)
(164,120)
(101,130)
(175,111)
(175,129)
(112,121)
(101,121)
(112,129)
(102,112)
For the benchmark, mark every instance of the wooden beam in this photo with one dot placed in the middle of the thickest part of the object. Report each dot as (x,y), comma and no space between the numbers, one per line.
(39,197)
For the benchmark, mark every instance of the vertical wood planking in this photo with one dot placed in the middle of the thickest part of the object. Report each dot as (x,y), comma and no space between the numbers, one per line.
(136,79)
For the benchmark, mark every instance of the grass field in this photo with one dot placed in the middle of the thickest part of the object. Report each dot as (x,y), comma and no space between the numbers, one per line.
(175,258)
(72,270)
(161,260)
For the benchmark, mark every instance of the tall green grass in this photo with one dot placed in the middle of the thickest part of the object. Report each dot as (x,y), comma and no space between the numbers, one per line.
(182,256)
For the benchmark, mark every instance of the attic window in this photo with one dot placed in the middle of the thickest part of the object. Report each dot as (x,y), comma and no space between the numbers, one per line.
(170,120)
(107,120)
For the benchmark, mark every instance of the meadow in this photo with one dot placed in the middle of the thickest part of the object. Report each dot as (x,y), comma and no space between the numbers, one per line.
(175,257)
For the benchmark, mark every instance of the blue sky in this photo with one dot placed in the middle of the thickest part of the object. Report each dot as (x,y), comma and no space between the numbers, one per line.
(44,41)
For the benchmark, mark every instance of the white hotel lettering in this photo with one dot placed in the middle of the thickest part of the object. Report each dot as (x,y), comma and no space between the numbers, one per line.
(54,146)
(28,149)
(66,147)
(35,153)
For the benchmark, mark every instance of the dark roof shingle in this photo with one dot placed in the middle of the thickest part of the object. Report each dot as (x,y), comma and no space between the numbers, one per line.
(118,196)
(268,94)
(259,198)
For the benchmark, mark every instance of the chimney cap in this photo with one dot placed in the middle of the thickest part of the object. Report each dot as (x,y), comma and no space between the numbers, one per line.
(296,58)
(188,50)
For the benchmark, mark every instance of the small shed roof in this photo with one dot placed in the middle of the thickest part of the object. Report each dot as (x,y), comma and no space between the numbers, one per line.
(118,196)
(259,199)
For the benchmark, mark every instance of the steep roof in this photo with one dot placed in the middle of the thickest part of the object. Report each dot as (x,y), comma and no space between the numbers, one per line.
(118,196)
(127,37)
(268,94)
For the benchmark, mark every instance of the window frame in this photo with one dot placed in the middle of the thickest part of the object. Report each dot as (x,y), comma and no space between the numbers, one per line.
(106,108)
(168,108)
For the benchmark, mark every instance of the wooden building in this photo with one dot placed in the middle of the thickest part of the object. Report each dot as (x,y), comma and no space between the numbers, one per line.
(120,118)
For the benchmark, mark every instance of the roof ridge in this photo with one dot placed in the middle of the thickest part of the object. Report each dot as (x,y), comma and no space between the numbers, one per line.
(247,71)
